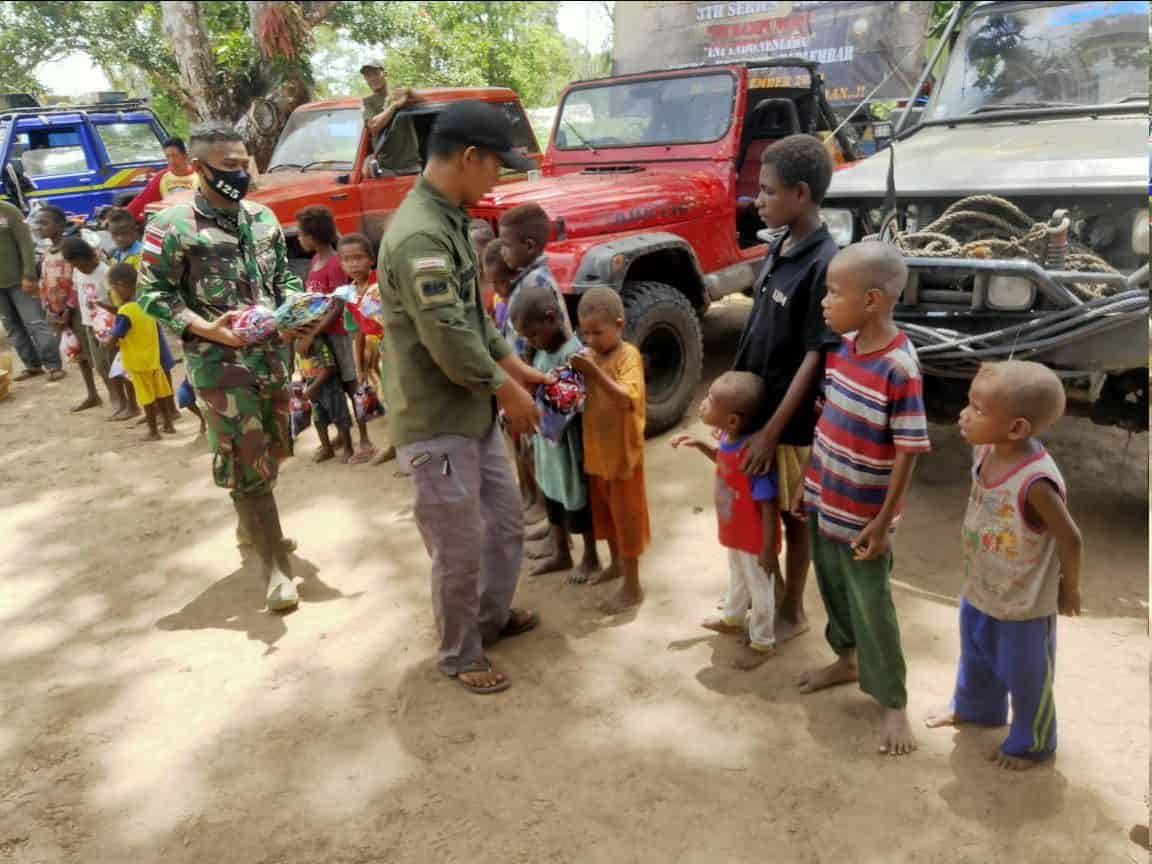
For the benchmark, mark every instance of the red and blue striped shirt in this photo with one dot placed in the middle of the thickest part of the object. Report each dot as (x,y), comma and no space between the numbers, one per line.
(873,409)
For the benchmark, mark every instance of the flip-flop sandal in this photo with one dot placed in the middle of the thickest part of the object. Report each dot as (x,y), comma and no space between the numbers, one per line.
(56,375)
(28,374)
(363,455)
(479,689)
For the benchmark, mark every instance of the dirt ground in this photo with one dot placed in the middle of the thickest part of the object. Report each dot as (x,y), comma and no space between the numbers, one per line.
(150,711)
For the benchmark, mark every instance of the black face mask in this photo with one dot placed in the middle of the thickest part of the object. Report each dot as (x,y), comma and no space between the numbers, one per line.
(233,185)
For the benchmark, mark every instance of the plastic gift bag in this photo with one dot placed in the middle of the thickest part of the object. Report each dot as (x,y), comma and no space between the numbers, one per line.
(560,402)
(254,324)
(70,345)
(300,409)
(302,310)
(367,404)
(186,396)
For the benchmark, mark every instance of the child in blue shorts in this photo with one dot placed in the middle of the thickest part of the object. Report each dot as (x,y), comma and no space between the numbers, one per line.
(1022,558)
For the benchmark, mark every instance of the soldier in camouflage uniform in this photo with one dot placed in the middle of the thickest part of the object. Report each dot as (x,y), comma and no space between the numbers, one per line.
(202,262)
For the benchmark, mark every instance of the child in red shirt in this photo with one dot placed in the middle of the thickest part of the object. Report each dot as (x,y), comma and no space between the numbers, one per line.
(748,514)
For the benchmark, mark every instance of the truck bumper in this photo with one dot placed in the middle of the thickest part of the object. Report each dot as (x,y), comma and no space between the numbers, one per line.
(971,319)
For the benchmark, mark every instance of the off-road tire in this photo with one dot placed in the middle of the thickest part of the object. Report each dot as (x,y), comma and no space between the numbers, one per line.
(661,322)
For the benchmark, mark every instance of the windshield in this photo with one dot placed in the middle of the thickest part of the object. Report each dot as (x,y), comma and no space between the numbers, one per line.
(690,110)
(1060,54)
(319,139)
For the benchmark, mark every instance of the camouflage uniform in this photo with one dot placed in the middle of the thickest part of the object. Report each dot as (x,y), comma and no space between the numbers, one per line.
(204,261)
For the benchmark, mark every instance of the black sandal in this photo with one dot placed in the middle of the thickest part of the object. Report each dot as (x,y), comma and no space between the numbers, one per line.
(519,621)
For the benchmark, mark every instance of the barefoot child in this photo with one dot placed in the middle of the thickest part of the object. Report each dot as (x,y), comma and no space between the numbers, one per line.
(317,363)
(57,293)
(1022,558)
(559,465)
(614,441)
(135,335)
(88,276)
(356,259)
(748,516)
(870,432)
(785,340)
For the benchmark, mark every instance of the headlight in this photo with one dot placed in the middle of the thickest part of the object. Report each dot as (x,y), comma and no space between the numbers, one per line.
(1009,293)
(1140,233)
(840,225)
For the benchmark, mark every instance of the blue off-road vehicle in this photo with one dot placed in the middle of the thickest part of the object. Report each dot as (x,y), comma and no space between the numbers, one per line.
(78,157)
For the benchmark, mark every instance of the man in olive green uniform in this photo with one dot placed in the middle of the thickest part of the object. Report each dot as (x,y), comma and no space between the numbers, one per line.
(20,308)
(394,143)
(447,367)
(202,262)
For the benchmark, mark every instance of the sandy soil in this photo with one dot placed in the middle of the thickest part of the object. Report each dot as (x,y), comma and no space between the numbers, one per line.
(150,711)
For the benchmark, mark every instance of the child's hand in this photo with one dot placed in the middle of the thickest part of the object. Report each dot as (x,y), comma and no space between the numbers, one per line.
(685,440)
(797,511)
(1068,598)
(872,542)
(769,563)
(583,364)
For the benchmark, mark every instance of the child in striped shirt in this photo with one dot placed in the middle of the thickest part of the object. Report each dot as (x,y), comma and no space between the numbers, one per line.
(870,432)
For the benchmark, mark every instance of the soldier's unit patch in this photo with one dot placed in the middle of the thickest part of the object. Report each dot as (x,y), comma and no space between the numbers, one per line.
(428,265)
(434,291)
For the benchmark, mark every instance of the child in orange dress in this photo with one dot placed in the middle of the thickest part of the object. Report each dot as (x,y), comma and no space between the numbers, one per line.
(613,371)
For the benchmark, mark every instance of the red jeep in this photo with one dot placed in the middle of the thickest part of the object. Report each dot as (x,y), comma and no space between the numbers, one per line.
(649,181)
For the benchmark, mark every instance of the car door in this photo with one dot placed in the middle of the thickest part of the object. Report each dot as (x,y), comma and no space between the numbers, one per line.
(58,156)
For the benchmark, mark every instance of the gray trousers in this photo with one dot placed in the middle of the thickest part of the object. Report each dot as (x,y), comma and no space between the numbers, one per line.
(31,334)
(468,509)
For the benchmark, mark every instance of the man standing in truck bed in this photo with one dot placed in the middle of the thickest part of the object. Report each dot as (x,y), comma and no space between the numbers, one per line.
(394,144)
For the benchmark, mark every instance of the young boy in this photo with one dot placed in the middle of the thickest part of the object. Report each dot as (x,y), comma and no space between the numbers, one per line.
(88,276)
(614,441)
(57,294)
(480,234)
(127,247)
(498,279)
(321,371)
(871,430)
(135,335)
(785,340)
(524,233)
(559,465)
(748,516)
(1022,559)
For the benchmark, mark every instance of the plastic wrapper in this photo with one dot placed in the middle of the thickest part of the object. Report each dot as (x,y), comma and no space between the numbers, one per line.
(561,401)
(367,404)
(70,346)
(185,395)
(302,310)
(254,324)
(369,305)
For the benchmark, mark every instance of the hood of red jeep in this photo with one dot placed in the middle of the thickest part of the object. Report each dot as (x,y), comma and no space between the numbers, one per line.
(287,191)
(591,203)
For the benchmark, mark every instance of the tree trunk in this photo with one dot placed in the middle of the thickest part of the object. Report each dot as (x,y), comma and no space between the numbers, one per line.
(184,26)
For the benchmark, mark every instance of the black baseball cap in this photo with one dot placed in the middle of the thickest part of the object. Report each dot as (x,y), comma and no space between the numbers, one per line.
(472,123)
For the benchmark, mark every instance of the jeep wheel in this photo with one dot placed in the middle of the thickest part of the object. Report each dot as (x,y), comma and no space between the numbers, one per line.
(663,325)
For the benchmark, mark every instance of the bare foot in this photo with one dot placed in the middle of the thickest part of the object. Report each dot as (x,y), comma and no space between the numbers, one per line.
(749,658)
(606,575)
(788,629)
(719,625)
(540,552)
(345,457)
(945,716)
(582,574)
(897,739)
(843,671)
(90,402)
(127,414)
(623,600)
(152,436)
(324,454)
(553,564)
(169,429)
(118,414)
(538,532)
(1010,763)
(143,421)
(385,455)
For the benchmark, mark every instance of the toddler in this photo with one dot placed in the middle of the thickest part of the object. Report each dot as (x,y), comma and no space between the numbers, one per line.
(134,333)
(1022,558)
(748,515)
(57,294)
(614,441)
(317,363)
(92,325)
